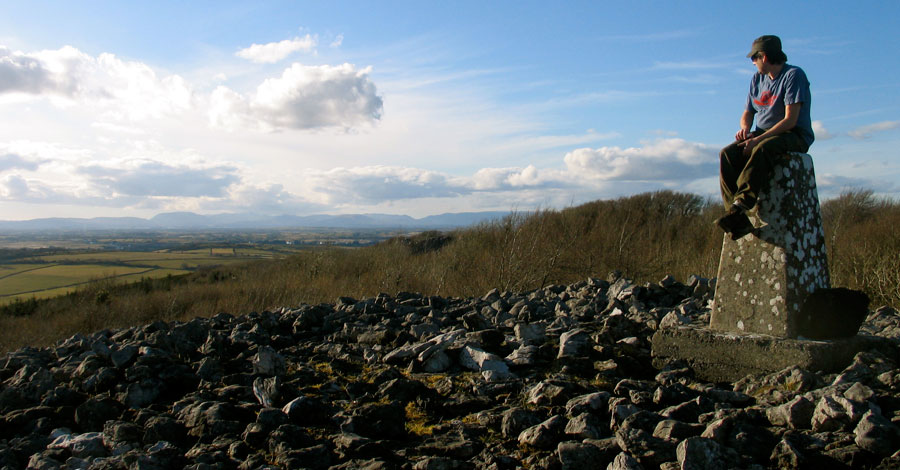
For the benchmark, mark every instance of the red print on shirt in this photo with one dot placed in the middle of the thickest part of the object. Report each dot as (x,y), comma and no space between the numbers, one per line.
(766,99)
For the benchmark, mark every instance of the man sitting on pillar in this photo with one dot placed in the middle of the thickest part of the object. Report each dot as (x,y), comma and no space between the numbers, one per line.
(779,100)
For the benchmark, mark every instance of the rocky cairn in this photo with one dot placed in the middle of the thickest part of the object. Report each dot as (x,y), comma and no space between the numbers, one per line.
(557,378)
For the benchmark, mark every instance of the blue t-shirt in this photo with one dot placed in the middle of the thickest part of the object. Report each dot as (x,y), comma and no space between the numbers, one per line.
(768,97)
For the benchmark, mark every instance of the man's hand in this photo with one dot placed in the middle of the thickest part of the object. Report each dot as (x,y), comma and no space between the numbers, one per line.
(749,145)
(743,135)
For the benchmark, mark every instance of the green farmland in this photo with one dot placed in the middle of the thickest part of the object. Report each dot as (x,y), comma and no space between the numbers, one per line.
(52,275)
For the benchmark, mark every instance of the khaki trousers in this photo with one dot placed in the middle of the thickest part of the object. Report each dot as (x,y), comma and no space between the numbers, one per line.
(741,176)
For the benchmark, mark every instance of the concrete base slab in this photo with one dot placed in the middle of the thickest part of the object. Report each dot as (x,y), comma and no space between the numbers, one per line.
(725,357)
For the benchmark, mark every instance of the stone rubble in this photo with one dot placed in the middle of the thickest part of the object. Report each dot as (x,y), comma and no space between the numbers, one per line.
(556,378)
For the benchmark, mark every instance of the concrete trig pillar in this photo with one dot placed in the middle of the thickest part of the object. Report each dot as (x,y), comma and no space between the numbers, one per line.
(764,277)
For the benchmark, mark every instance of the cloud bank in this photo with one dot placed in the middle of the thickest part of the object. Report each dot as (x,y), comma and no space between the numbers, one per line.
(196,183)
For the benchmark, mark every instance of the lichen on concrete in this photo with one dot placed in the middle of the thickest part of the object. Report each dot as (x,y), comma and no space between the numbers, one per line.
(765,276)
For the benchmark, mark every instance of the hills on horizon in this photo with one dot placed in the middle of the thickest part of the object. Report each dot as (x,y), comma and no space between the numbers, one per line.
(192,221)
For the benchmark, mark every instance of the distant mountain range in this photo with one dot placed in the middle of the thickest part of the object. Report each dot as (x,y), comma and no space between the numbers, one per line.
(191,221)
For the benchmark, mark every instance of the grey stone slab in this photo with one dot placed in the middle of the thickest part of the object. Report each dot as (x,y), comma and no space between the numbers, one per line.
(765,276)
(726,357)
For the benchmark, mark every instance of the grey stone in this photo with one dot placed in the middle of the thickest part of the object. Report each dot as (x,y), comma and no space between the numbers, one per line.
(620,413)
(32,382)
(596,403)
(574,343)
(697,453)
(795,414)
(530,333)
(164,428)
(546,393)
(81,445)
(673,319)
(650,451)
(42,462)
(877,434)
(516,420)
(787,456)
(779,386)
(585,426)
(121,431)
(267,391)
(490,365)
(545,435)
(139,395)
(674,430)
(95,412)
(859,393)
(524,356)
(624,461)
(578,456)
(269,362)
(439,463)
(437,361)
(829,415)
(305,410)
(123,356)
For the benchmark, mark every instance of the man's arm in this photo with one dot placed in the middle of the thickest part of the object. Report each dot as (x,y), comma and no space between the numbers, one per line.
(746,124)
(791,114)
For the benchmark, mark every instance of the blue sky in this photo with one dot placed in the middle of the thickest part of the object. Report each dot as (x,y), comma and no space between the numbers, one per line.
(419,108)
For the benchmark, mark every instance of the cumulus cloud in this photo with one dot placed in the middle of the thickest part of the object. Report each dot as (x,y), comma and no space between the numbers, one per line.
(865,132)
(124,89)
(820,131)
(18,188)
(276,51)
(11,161)
(372,184)
(157,179)
(661,160)
(304,97)
(530,177)
(21,73)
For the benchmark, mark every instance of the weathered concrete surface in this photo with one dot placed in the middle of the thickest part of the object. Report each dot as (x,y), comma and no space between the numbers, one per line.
(765,276)
(726,357)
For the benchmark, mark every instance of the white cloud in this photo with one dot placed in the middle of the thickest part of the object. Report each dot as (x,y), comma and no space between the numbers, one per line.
(373,184)
(121,89)
(865,132)
(304,97)
(12,161)
(820,132)
(158,179)
(19,188)
(276,51)
(337,41)
(21,73)
(270,199)
(530,177)
(661,160)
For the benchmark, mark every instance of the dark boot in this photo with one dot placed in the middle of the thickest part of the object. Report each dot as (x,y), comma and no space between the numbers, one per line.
(735,222)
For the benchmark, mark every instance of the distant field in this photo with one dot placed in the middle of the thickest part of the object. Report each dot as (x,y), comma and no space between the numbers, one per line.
(52,275)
